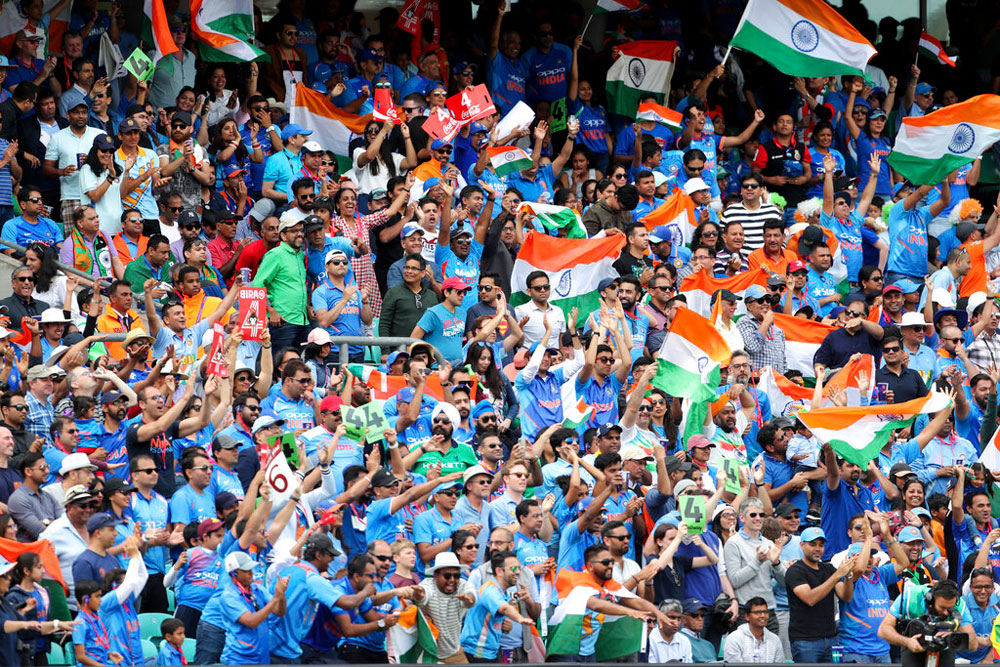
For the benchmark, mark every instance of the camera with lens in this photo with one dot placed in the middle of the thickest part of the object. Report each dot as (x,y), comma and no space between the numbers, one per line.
(926,630)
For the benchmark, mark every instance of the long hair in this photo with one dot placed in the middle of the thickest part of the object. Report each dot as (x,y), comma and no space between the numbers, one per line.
(218,143)
(48,271)
(94,162)
(490,378)
(22,566)
(384,155)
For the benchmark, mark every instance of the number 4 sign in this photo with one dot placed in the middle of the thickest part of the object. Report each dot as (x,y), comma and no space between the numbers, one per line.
(253,311)
(693,513)
(139,65)
(470,105)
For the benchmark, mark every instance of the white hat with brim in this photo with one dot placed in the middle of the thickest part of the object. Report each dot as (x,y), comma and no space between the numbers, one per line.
(443,560)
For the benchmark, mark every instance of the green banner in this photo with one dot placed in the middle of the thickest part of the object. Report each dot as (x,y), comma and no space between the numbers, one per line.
(693,513)
(139,65)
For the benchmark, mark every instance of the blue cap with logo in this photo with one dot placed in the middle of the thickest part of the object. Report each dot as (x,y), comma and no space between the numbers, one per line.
(812,534)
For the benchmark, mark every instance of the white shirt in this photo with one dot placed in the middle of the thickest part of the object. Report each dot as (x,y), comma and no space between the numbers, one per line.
(677,649)
(621,573)
(534,328)
(730,334)
(66,149)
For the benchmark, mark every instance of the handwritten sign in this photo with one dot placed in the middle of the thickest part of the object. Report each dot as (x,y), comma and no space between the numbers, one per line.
(253,311)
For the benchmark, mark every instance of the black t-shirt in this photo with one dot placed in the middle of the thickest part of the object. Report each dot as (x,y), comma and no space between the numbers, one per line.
(9,480)
(160,449)
(385,253)
(815,622)
(630,265)
(668,583)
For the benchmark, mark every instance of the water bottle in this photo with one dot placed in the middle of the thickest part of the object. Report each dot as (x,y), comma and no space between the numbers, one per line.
(838,653)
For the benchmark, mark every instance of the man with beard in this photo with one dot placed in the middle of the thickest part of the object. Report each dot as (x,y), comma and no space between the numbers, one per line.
(61,158)
(446,597)
(254,253)
(472,508)
(304,193)
(441,449)
(283,272)
(903,383)
(363,627)
(971,514)
(596,384)
(843,497)
(764,341)
(756,408)
(892,305)
(921,570)
(481,630)
(781,482)
(859,335)
(184,162)
(633,260)
(111,438)
(614,535)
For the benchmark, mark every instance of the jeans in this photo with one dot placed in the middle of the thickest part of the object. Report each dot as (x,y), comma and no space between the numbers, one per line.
(813,650)
(287,335)
(190,617)
(861,657)
(211,641)
(154,596)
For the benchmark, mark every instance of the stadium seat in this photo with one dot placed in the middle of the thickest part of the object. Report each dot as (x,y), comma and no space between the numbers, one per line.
(149,649)
(70,654)
(57,655)
(171,603)
(189,647)
(149,625)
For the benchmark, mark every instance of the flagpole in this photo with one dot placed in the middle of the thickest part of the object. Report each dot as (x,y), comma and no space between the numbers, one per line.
(588,24)
(726,57)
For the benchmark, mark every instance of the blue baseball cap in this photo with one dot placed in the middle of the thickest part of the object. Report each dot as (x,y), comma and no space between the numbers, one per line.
(476,127)
(924,89)
(292,129)
(431,182)
(411,228)
(907,286)
(321,73)
(368,54)
(534,346)
(439,143)
(319,87)
(453,484)
(460,228)
(837,310)
(856,549)
(877,113)
(812,534)
(434,85)
(921,511)
(583,504)
(910,534)
(670,518)
(754,292)
(405,395)
(391,359)
(659,234)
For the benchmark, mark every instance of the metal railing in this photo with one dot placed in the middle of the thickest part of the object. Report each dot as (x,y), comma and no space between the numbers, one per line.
(344,343)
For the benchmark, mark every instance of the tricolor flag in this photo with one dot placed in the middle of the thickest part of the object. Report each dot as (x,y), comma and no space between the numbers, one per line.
(802,338)
(575,267)
(384,386)
(11,22)
(332,128)
(608,6)
(991,454)
(802,38)
(660,114)
(556,217)
(576,412)
(700,285)
(788,398)
(858,433)
(156,31)
(677,212)
(414,638)
(226,30)
(618,636)
(930,147)
(640,67)
(931,47)
(11,549)
(508,159)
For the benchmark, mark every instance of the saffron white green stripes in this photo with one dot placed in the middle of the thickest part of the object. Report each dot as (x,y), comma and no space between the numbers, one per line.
(225,29)
(640,67)
(508,159)
(556,217)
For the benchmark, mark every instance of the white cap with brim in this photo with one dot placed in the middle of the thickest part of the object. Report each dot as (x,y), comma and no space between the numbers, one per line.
(443,560)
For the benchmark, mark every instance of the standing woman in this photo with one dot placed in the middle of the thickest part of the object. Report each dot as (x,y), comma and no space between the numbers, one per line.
(822,145)
(375,163)
(871,139)
(594,127)
(219,101)
(100,183)
(358,229)
(32,599)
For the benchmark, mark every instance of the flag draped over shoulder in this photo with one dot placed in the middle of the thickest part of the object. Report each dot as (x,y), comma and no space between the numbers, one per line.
(331,126)
(858,433)
(574,266)
(930,147)
(11,549)
(414,638)
(802,38)
(640,67)
(618,635)
(225,29)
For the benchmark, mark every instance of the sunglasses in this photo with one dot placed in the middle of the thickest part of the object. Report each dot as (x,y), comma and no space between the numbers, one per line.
(520,475)
(25,279)
(486,288)
(339,262)
(292,33)
(303,381)
(606,360)
(193,225)
(606,562)
(441,421)
(709,232)
(450,576)
(542,288)
(33,200)
(264,108)
(888,350)
(488,418)
(755,515)
(443,150)
(750,186)
(645,408)
(384,559)
(450,492)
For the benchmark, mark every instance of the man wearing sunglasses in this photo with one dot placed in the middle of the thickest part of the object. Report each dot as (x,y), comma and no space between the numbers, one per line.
(31,225)
(481,632)
(750,552)
(432,529)
(764,341)
(69,535)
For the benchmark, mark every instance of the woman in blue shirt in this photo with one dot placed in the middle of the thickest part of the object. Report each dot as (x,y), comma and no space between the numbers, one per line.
(12,622)
(593,118)
(819,148)
(871,140)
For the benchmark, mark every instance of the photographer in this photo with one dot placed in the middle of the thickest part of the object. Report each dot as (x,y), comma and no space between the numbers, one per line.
(924,612)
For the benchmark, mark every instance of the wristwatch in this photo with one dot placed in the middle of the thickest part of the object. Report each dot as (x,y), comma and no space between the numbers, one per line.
(381,623)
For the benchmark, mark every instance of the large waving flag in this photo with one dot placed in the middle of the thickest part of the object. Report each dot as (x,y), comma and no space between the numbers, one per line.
(788,398)
(857,434)
(331,126)
(414,638)
(575,267)
(226,30)
(156,30)
(699,287)
(802,38)
(11,21)
(384,386)
(677,212)
(552,217)
(802,338)
(640,67)
(618,636)
(930,147)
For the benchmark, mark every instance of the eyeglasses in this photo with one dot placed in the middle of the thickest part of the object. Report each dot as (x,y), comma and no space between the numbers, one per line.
(542,288)
(454,493)
(482,481)
(606,562)
(857,527)
(645,408)
(697,614)
(571,441)
(411,109)
(469,547)
(202,468)
(486,288)
(327,163)
(755,515)
(619,176)
(520,475)
(467,72)
(854,313)
(450,576)
(514,201)
(412,268)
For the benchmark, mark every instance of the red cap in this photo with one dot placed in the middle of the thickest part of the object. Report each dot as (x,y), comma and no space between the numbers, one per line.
(330,404)
(454,282)
(892,288)
(796,265)
(207,526)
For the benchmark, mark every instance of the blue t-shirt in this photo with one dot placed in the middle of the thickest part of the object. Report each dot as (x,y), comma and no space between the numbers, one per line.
(188,505)
(848,233)
(779,472)
(444,329)
(593,134)
(541,189)
(122,622)
(572,544)
(816,164)
(307,589)
(908,240)
(326,296)
(153,514)
(839,505)
(602,397)
(879,146)
(385,526)
(92,634)
(506,80)
(297,414)
(482,626)
(819,286)
(547,72)
(22,232)
(244,645)
(467,269)
(860,618)
(198,578)
(430,528)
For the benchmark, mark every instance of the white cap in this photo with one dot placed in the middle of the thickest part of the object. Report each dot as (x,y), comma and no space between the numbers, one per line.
(333,253)
(942,297)
(75,461)
(312,147)
(913,320)
(976,299)
(473,471)
(318,336)
(695,185)
(659,178)
(54,316)
(238,560)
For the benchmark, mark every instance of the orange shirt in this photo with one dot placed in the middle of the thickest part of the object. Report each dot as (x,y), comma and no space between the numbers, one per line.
(114,322)
(975,280)
(780,266)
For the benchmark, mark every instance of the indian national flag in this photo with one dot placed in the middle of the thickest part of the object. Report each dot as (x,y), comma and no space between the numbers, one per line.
(384,386)
(788,398)
(618,635)
(508,159)
(677,212)
(575,410)
(11,22)
(640,67)
(156,29)
(699,287)
(608,6)
(857,434)
(660,114)
(331,127)
(802,38)
(414,638)
(556,217)
(991,454)
(225,28)
(931,47)
(802,339)
(574,266)
(930,147)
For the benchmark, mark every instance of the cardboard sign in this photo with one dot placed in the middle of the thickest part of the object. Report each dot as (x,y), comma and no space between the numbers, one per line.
(557,115)
(441,125)
(217,356)
(253,311)
(470,105)
(385,109)
(285,443)
(280,478)
(139,65)
(375,421)
(354,422)
(732,470)
(693,513)
(520,116)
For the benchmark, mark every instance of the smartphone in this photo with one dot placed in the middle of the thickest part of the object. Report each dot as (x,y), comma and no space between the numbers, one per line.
(880,392)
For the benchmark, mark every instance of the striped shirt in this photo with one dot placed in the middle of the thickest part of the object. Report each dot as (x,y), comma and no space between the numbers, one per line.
(752,221)
(446,612)
(6,184)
